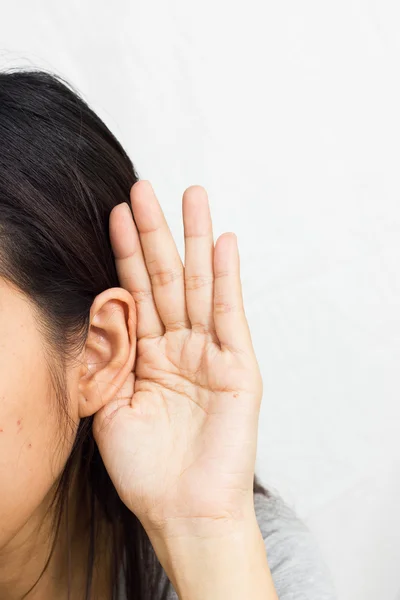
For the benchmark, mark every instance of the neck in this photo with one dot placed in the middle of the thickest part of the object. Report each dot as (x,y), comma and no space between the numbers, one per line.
(25,556)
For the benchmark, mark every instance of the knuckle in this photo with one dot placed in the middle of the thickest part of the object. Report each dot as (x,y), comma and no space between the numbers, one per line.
(165,277)
(176,325)
(202,328)
(195,282)
(221,274)
(142,296)
(220,306)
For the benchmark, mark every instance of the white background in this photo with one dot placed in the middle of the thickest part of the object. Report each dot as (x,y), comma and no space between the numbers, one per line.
(289,114)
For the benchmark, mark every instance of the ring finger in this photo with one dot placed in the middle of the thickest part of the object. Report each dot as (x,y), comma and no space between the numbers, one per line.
(199,251)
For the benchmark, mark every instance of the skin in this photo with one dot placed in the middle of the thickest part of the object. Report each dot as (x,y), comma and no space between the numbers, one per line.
(32,454)
(169,372)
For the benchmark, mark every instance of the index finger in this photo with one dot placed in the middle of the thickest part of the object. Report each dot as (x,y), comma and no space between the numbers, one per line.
(132,271)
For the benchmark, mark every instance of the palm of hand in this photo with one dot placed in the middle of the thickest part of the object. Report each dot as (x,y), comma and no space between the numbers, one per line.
(182,445)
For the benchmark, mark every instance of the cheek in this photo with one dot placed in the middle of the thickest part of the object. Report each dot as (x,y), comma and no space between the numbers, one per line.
(32,450)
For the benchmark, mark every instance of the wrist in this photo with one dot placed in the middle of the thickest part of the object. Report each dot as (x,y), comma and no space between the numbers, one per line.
(227,561)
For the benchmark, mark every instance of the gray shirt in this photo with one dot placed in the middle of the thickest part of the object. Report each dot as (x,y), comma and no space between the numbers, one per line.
(297,568)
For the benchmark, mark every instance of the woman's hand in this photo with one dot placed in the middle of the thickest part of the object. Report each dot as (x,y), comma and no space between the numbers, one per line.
(180,444)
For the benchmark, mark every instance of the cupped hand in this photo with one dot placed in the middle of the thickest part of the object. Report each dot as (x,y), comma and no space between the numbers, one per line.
(180,440)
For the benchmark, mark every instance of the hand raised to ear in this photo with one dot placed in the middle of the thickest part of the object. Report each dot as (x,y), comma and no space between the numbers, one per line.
(181,450)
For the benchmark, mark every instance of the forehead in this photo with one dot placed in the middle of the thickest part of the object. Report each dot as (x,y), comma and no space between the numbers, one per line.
(9,292)
(16,313)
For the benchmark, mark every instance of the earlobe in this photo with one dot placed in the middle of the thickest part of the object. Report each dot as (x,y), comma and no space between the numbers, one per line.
(110,350)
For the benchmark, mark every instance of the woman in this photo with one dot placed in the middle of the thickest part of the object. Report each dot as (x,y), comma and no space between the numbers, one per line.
(129,388)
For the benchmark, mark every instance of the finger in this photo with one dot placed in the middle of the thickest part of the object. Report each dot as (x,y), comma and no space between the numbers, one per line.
(162,258)
(199,252)
(229,316)
(132,272)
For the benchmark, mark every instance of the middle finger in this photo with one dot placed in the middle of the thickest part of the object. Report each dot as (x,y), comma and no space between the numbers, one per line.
(161,256)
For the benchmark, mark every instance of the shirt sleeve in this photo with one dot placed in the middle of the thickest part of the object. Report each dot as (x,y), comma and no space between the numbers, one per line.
(297,567)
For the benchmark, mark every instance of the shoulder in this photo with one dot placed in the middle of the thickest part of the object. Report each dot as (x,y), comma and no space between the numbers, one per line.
(296,565)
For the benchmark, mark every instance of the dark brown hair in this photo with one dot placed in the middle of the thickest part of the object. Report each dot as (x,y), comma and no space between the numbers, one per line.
(61,173)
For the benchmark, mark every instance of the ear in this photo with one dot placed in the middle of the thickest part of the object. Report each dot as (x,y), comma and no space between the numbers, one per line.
(110,350)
